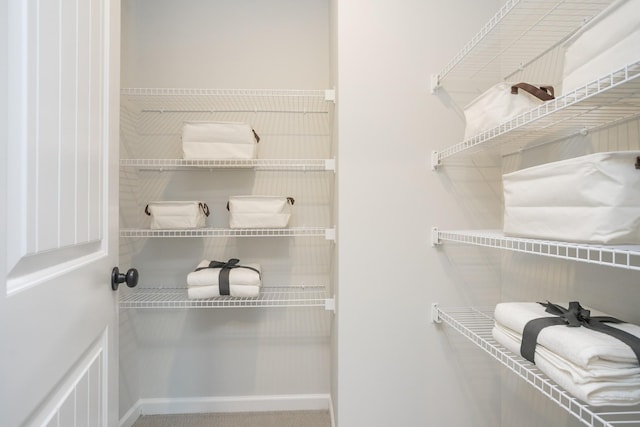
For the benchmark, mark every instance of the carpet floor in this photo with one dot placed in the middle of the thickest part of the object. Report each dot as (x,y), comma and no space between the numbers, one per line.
(244,419)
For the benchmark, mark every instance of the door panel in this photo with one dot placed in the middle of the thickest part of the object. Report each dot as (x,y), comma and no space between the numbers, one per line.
(59,204)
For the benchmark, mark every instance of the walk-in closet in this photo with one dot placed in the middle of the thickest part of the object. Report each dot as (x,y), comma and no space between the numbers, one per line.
(420,246)
(264,64)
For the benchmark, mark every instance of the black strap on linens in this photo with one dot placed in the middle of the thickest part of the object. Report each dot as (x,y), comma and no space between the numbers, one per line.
(574,316)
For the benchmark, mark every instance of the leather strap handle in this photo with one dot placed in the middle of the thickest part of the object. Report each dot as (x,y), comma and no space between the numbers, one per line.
(204,208)
(543,93)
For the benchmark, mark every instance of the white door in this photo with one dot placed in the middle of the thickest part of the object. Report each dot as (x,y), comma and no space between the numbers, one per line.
(59,212)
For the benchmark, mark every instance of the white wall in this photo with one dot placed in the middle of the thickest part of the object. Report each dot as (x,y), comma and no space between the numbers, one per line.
(395,367)
(215,44)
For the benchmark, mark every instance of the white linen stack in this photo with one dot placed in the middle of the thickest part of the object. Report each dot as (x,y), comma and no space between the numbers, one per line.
(243,282)
(591,365)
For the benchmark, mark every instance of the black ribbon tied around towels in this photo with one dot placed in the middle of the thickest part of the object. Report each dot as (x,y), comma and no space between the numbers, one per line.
(574,316)
(225,269)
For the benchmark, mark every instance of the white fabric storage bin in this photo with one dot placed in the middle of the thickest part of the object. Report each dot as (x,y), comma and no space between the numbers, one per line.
(501,103)
(591,199)
(218,140)
(177,215)
(259,211)
(606,43)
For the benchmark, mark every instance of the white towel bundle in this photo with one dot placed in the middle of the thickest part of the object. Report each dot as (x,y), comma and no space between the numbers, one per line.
(243,282)
(593,366)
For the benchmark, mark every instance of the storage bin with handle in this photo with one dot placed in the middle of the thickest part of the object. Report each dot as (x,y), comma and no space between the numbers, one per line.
(177,214)
(218,140)
(501,103)
(259,211)
(591,199)
(605,44)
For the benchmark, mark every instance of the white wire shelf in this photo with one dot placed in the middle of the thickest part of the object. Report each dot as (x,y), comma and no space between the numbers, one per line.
(285,296)
(172,100)
(327,233)
(625,257)
(518,34)
(476,324)
(610,99)
(305,165)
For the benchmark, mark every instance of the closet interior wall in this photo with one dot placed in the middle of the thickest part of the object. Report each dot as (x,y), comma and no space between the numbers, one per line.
(231,353)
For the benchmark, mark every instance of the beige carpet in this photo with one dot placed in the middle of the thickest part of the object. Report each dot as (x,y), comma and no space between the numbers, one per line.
(245,419)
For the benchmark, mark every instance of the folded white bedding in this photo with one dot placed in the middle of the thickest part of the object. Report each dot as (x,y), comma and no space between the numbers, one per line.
(579,375)
(237,276)
(238,291)
(606,386)
(582,347)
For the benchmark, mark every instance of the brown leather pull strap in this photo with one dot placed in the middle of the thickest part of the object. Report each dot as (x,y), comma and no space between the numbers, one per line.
(543,93)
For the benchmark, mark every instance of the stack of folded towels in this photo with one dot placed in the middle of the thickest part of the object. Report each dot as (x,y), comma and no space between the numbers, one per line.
(591,365)
(205,282)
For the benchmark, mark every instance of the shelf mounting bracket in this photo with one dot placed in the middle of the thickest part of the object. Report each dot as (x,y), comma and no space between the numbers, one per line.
(435,238)
(330,234)
(434,83)
(330,95)
(330,165)
(435,161)
(330,304)
(435,313)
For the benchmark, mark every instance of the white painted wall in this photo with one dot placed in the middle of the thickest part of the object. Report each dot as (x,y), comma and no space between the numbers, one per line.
(395,367)
(215,44)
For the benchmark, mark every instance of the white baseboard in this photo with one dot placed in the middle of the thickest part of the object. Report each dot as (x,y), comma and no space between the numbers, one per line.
(131,416)
(194,405)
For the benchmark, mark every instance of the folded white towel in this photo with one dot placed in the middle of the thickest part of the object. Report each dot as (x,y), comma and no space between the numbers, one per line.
(597,388)
(237,276)
(578,375)
(583,347)
(244,291)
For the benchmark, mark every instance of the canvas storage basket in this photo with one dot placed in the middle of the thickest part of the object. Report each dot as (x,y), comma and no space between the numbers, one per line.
(591,199)
(218,140)
(177,215)
(259,211)
(501,103)
(605,44)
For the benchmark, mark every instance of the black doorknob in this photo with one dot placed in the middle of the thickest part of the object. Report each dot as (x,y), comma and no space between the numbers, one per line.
(131,278)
